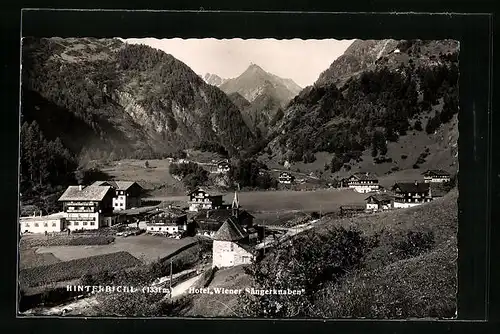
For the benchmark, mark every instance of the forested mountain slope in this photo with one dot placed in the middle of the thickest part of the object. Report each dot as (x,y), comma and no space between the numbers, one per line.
(391,99)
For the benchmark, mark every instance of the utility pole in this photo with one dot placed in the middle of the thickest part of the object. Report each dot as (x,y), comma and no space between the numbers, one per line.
(171,277)
(264,238)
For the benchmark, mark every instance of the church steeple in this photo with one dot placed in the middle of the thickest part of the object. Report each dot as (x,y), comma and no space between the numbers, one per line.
(236,205)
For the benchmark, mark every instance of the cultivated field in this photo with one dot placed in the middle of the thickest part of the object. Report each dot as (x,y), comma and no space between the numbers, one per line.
(146,248)
(29,258)
(287,200)
(156,178)
(63,271)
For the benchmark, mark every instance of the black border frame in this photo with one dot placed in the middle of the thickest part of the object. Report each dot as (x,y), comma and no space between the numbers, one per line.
(476,178)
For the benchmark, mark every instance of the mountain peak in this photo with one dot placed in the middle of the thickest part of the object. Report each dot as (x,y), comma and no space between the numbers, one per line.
(254,68)
(213,79)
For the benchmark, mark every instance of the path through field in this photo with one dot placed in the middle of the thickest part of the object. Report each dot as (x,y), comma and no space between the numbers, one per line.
(183,287)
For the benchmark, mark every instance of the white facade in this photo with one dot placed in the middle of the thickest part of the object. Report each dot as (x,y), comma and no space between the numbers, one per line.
(223,168)
(167,229)
(202,201)
(229,254)
(436,179)
(403,205)
(119,202)
(42,224)
(122,201)
(364,188)
(376,206)
(205,204)
(85,221)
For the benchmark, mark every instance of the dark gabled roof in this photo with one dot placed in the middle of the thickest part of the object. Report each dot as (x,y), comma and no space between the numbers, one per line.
(174,212)
(209,190)
(380,197)
(364,176)
(90,193)
(412,187)
(118,185)
(353,207)
(221,215)
(230,231)
(246,247)
(435,172)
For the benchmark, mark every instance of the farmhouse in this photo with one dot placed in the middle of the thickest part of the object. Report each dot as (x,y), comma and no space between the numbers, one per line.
(223,166)
(231,245)
(209,221)
(128,194)
(42,224)
(286,178)
(170,220)
(204,199)
(350,209)
(378,202)
(436,176)
(411,194)
(362,182)
(89,207)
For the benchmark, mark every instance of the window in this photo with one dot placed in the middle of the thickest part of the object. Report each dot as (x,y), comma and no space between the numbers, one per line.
(54,224)
(45,224)
(27,225)
(36,224)
(92,223)
(69,223)
(84,223)
(232,247)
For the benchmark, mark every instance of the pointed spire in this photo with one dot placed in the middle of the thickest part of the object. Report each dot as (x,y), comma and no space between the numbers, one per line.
(236,202)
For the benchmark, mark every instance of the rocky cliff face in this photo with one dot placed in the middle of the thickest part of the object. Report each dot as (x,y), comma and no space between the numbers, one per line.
(132,97)
(265,92)
(213,79)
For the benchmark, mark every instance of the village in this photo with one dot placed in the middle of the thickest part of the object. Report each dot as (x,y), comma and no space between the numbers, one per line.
(237,237)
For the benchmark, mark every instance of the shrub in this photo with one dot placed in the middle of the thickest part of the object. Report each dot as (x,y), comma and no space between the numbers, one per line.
(404,156)
(414,244)
(307,262)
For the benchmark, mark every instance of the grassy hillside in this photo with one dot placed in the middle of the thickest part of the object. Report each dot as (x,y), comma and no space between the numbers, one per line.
(406,268)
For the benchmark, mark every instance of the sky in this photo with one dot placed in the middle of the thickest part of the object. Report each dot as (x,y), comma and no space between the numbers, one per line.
(296,59)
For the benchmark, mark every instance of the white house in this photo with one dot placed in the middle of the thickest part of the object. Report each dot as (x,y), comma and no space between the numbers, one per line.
(363,182)
(286,178)
(87,208)
(223,166)
(41,224)
(230,246)
(411,194)
(127,194)
(204,199)
(378,202)
(169,220)
(436,176)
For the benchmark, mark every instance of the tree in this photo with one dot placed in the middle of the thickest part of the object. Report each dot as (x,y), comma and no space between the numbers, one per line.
(418,125)
(306,263)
